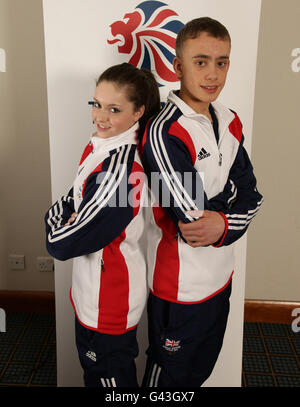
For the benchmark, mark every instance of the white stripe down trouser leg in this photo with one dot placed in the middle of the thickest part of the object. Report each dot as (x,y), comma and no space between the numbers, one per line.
(154,375)
(108,382)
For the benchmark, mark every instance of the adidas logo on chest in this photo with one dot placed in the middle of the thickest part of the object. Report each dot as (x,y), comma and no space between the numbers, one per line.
(203,154)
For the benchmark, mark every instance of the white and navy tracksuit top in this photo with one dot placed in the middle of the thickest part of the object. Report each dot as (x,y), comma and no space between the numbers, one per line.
(179,142)
(109,285)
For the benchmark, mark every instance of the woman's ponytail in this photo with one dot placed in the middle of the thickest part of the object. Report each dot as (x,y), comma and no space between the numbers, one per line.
(151,99)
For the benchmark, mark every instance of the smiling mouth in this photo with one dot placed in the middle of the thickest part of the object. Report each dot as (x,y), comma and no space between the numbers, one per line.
(102,127)
(209,87)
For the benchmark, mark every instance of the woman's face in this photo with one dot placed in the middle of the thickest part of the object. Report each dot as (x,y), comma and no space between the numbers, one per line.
(113,113)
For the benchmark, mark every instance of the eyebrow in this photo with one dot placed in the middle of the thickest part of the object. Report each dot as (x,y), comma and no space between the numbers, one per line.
(111,105)
(208,57)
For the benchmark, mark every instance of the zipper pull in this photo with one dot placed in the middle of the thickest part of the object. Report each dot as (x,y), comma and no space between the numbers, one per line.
(220,159)
(102,266)
(92,147)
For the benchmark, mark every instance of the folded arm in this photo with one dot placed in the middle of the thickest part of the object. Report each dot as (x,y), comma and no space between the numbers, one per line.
(168,159)
(103,214)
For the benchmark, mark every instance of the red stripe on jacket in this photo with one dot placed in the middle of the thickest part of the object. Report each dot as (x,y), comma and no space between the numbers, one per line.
(114,288)
(235,128)
(88,149)
(114,284)
(167,258)
(180,132)
(137,180)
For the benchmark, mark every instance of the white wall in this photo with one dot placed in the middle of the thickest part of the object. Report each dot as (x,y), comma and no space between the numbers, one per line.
(6,125)
(273,261)
(24,152)
(76,52)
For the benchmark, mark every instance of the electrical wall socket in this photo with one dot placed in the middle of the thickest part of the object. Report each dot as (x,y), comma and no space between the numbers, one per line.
(16,261)
(45,264)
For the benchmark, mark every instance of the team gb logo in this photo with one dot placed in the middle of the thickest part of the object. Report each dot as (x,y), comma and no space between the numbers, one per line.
(148,35)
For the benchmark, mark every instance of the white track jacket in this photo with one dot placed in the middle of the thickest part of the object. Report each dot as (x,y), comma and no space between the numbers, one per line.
(181,145)
(109,286)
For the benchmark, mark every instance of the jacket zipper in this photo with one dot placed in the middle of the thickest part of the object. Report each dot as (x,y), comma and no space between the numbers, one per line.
(218,146)
(220,159)
(102,266)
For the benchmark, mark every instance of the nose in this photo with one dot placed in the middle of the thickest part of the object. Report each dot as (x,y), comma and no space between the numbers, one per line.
(212,74)
(101,116)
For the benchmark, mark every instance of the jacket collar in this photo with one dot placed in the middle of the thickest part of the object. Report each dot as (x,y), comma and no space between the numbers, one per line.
(224,115)
(107,144)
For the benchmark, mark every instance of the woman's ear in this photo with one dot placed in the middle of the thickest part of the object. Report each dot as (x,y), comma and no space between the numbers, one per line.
(139,113)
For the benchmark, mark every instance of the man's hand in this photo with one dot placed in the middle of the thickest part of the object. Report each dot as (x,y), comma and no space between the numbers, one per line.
(205,231)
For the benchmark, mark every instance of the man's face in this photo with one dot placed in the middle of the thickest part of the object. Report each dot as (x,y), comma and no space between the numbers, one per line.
(202,69)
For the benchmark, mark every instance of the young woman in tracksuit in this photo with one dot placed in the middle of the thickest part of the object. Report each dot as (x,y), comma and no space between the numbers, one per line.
(195,145)
(99,224)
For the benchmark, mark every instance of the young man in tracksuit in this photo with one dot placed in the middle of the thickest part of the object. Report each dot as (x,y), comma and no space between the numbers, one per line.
(194,151)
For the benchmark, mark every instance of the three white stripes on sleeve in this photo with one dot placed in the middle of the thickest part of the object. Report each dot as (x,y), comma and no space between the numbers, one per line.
(185,203)
(99,200)
(240,221)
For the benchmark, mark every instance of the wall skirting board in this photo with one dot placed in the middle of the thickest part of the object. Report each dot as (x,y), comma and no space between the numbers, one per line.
(279,312)
(27,301)
(254,310)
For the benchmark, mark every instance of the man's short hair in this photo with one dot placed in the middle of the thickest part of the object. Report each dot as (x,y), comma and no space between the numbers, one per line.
(197,26)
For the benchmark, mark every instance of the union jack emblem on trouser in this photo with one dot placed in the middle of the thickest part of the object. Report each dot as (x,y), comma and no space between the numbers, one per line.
(171,345)
(149,37)
(201,329)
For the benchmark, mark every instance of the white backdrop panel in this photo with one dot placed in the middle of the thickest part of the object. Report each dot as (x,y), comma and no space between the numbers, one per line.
(77,51)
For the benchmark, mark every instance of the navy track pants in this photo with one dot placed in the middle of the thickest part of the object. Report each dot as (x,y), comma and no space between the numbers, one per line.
(107,360)
(184,340)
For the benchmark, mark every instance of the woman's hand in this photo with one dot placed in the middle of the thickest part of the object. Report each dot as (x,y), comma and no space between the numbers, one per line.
(72,218)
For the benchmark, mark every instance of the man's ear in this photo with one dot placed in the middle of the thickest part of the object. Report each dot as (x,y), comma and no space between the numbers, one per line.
(177,66)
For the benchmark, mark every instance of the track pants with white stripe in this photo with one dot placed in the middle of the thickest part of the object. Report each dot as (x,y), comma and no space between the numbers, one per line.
(107,360)
(184,340)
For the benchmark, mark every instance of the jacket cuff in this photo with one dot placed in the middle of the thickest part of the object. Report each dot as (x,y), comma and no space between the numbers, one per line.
(221,240)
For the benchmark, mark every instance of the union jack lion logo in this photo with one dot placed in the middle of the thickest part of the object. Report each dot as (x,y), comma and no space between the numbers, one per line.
(148,35)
